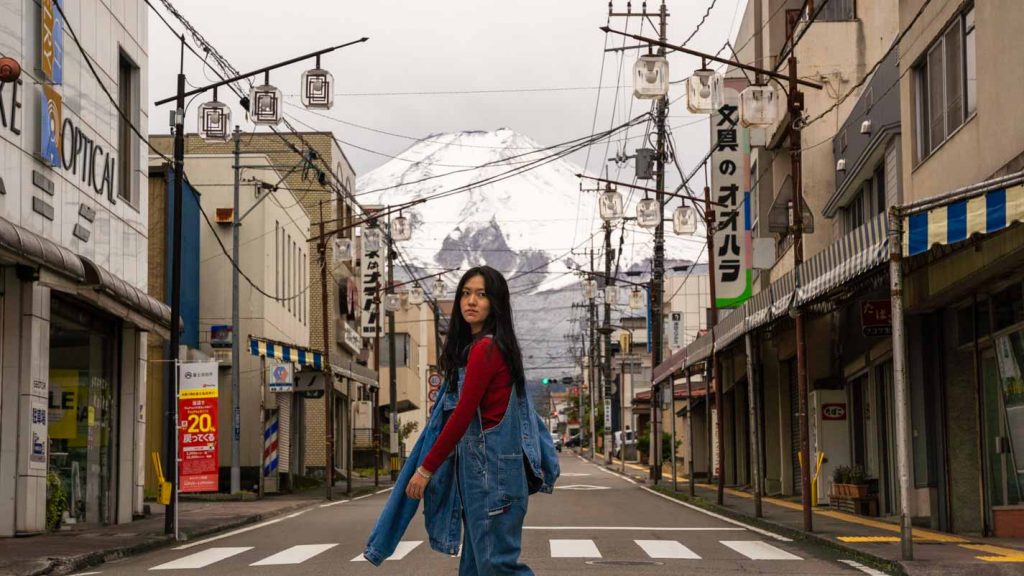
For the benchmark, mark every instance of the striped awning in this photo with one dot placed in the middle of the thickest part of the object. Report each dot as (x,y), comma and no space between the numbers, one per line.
(981,209)
(302,356)
(731,327)
(699,350)
(782,295)
(845,259)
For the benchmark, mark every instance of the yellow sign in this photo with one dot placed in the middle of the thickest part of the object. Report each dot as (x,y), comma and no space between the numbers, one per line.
(63,408)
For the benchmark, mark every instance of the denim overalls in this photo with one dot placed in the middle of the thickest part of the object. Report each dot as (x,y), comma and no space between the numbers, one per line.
(493,492)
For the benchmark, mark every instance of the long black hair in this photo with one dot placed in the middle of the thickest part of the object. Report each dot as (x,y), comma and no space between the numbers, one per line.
(498,324)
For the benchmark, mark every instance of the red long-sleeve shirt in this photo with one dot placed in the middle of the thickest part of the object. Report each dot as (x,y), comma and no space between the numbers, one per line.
(488,386)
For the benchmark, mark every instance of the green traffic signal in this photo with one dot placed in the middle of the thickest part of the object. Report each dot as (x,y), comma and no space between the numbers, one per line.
(545,381)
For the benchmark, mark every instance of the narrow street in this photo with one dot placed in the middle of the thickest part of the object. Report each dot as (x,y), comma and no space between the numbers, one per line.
(597,521)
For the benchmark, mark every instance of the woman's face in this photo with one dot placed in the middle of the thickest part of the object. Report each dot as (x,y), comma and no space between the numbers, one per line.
(474,303)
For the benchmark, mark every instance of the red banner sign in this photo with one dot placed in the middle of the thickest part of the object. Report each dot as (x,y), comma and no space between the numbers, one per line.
(197,442)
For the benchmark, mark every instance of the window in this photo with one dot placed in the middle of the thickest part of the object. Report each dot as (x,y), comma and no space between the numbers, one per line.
(945,85)
(869,202)
(880,203)
(126,153)
(837,11)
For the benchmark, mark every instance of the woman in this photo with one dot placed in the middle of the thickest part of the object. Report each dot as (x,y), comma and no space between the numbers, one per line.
(484,449)
(484,366)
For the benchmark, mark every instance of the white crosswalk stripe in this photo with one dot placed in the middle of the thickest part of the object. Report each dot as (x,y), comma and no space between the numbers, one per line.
(403,549)
(574,549)
(757,550)
(294,555)
(667,549)
(203,558)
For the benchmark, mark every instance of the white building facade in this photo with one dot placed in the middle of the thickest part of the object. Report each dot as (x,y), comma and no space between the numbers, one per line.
(74,313)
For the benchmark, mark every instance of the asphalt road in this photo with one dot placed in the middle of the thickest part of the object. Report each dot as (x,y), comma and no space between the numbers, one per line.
(596,523)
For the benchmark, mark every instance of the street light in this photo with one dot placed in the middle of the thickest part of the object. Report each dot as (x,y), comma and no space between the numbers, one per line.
(684,221)
(610,204)
(392,302)
(648,213)
(317,88)
(401,228)
(758,107)
(416,296)
(589,288)
(214,120)
(704,91)
(636,299)
(611,294)
(439,290)
(265,104)
(650,77)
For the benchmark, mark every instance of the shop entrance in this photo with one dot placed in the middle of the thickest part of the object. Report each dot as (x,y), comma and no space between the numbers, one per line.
(1003,425)
(83,410)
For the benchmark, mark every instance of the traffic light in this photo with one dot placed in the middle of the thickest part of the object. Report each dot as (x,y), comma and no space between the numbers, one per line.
(545,381)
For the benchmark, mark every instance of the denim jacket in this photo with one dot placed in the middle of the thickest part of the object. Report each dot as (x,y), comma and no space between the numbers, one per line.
(442,508)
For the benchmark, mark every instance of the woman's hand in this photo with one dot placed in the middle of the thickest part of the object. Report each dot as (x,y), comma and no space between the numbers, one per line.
(417,486)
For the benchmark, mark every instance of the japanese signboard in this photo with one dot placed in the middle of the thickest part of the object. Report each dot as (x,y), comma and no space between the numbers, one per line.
(372,278)
(675,331)
(833,411)
(876,317)
(730,189)
(197,427)
(37,456)
(280,377)
(52,41)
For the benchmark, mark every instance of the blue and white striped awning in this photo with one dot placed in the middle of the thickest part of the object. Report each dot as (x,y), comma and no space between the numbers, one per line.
(982,209)
(302,356)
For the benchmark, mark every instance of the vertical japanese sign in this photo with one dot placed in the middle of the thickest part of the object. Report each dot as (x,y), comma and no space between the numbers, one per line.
(52,41)
(728,187)
(197,427)
(371,279)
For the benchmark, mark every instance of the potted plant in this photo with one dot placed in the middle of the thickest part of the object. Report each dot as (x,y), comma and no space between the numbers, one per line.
(849,482)
(858,480)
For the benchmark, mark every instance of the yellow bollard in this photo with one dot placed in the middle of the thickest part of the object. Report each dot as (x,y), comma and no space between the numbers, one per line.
(814,478)
(164,487)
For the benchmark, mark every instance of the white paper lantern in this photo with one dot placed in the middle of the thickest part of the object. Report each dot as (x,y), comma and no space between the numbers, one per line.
(265,105)
(415,296)
(401,229)
(439,289)
(610,204)
(759,107)
(371,239)
(650,77)
(589,288)
(648,213)
(704,91)
(684,221)
(636,299)
(392,302)
(611,295)
(214,121)
(317,89)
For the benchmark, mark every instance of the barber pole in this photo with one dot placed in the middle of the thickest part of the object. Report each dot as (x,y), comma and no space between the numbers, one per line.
(270,446)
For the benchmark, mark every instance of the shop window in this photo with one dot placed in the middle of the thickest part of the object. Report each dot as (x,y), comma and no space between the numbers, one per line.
(1008,307)
(837,11)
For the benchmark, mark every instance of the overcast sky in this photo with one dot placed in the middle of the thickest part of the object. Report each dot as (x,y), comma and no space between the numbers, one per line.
(450,46)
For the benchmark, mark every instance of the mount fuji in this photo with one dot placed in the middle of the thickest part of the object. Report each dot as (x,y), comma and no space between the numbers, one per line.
(496,198)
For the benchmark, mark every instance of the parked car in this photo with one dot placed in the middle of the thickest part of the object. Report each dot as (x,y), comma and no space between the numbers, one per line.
(573,441)
(557,440)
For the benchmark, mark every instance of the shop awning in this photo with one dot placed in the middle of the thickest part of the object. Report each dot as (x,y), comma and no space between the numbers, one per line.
(983,208)
(731,327)
(104,282)
(666,368)
(304,357)
(40,251)
(845,259)
(352,374)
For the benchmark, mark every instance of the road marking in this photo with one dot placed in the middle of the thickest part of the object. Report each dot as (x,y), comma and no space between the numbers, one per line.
(582,487)
(757,550)
(667,549)
(639,528)
(86,573)
(384,490)
(573,474)
(773,535)
(863,568)
(866,539)
(242,530)
(574,549)
(329,504)
(401,551)
(202,559)
(294,555)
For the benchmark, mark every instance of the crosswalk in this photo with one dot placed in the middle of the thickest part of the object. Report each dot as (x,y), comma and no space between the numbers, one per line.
(557,548)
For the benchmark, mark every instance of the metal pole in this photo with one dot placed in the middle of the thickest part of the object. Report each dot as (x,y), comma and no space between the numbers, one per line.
(796,106)
(658,274)
(392,365)
(170,393)
(755,441)
(689,430)
(675,475)
(263,423)
(328,372)
(622,403)
(716,379)
(348,434)
(236,368)
(579,389)
(593,370)
(902,395)
(607,332)
(177,461)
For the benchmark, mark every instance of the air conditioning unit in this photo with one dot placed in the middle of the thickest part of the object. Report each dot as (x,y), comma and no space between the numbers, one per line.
(224,216)
(362,414)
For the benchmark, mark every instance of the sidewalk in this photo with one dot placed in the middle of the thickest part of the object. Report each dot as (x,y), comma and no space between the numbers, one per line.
(68,551)
(873,540)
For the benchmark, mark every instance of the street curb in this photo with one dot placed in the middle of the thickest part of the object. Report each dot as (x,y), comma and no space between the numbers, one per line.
(889,566)
(59,566)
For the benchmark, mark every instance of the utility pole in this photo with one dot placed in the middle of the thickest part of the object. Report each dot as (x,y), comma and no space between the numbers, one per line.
(392,377)
(689,429)
(796,108)
(713,369)
(375,419)
(236,368)
(755,438)
(328,372)
(899,369)
(658,277)
(593,369)
(607,363)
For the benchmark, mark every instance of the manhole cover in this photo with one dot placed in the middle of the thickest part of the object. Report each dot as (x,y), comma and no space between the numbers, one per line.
(625,563)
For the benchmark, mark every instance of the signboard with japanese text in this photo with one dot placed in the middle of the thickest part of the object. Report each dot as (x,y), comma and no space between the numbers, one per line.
(51,42)
(876,317)
(833,411)
(730,179)
(371,279)
(675,331)
(197,427)
(280,377)
(37,456)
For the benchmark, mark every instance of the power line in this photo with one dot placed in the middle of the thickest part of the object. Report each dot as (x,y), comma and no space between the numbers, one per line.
(702,20)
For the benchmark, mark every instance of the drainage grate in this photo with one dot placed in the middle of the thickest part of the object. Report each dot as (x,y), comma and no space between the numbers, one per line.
(625,563)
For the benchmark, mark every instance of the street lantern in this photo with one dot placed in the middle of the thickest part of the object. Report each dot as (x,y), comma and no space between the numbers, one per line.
(758,107)
(214,120)
(610,204)
(589,288)
(265,105)
(439,289)
(342,250)
(611,295)
(415,296)
(648,213)
(650,77)
(371,239)
(704,91)
(317,88)
(684,221)
(392,302)
(636,299)
(401,228)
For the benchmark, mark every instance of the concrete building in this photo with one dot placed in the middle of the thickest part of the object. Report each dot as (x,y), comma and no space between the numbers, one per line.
(76,318)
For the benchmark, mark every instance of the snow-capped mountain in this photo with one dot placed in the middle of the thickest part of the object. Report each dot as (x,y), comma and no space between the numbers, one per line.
(484,206)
